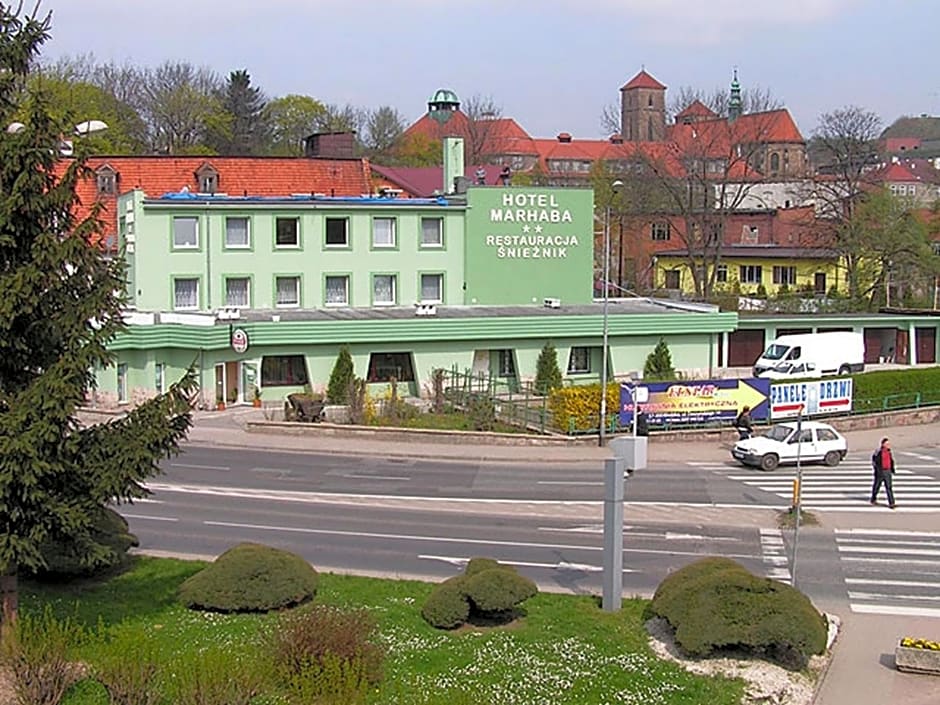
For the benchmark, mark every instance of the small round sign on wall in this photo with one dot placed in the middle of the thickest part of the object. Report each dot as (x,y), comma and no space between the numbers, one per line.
(239,340)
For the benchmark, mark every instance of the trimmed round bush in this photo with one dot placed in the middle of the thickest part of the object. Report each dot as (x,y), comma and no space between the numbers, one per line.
(497,589)
(447,607)
(109,540)
(251,577)
(477,565)
(716,604)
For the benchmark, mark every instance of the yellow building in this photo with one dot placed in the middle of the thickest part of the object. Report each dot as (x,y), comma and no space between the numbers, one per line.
(745,269)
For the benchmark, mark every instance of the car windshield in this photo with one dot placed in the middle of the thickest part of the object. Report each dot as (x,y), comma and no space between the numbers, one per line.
(778,433)
(776,352)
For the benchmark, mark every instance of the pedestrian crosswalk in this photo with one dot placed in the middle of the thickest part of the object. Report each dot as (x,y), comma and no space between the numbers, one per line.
(774,555)
(846,487)
(891,572)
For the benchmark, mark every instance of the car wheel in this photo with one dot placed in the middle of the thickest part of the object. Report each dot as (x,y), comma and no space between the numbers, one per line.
(832,458)
(769,462)
(845,370)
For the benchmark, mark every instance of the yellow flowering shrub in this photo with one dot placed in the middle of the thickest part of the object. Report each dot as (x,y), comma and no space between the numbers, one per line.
(913,643)
(578,408)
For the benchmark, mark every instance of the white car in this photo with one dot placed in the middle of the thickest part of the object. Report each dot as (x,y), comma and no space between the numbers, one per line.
(816,442)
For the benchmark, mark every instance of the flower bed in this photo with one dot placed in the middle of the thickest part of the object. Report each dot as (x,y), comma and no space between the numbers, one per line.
(917,656)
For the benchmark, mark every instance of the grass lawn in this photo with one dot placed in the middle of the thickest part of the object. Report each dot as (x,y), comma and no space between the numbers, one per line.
(564,650)
(447,421)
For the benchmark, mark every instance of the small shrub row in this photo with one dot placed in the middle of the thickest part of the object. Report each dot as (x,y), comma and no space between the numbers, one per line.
(715,604)
(486,591)
(870,388)
(581,405)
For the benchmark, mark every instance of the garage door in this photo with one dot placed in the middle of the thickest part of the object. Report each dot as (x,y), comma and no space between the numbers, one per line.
(926,344)
(744,347)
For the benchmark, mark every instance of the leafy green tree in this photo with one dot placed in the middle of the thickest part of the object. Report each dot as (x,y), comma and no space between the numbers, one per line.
(290,119)
(342,376)
(60,309)
(182,105)
(384,126)
(658,365)
(547,372)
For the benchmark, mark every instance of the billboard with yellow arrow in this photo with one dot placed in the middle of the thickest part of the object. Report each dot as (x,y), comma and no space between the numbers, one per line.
(696,402)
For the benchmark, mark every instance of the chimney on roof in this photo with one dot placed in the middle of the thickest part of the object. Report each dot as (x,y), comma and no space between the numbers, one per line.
(564,137)
(616,138)
(331,145)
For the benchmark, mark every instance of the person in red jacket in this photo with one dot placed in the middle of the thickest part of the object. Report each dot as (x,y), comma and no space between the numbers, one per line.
(882,462)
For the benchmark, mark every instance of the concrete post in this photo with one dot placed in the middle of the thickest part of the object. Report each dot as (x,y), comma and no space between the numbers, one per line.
(613,535)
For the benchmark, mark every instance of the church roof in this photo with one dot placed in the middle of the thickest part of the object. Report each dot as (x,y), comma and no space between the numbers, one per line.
(643,80)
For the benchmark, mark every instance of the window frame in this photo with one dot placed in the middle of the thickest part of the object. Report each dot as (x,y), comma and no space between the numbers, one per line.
(721,274)
(574,353)
(669,273)
(440,286)
(227,244)
(296,244)
(393,277)
(751,269)
(660,231)
(326,233)
(298,289)
(173,293)
(174,244)
(394,233)
(778,273)
(502,368)
(347,278)
(439,244)
(248,287)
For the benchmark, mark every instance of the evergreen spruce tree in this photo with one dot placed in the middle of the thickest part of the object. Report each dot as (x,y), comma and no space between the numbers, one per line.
(659,363)
(547,372)
(244,106)
(61,307)
(337,392)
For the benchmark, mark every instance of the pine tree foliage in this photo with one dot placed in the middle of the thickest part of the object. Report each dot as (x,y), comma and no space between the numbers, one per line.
(659,363)
(337,391)
(60,309)
(547,372)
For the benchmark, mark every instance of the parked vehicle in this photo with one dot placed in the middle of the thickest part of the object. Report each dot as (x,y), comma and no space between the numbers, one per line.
(778,445)
(812,355)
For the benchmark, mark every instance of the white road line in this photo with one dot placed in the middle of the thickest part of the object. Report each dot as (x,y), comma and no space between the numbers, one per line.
(896,550)
(899,610)
(568,482)
(561,565)
(907,561)
(148,518)
(885,532)
(881,597)
(892,583)
(192,466)
(353,476)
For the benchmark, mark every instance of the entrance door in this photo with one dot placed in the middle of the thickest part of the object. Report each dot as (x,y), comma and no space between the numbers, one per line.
(926,344)
(744,347)
(220,382)
(819,284)
(901,349)
(250,381)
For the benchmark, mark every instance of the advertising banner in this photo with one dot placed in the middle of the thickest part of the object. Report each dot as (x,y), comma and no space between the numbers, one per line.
(698,402)
(816,396)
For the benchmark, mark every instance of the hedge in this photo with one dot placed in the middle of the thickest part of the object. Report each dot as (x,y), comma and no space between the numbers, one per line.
(582,404)
(869,389)
(716,605)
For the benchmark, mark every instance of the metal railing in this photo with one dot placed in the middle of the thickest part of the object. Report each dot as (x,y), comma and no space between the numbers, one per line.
(517,404)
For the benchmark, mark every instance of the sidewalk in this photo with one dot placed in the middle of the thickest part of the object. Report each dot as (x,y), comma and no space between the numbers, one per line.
(862,669)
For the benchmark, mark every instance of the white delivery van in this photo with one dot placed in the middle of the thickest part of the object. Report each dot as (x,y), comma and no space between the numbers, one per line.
(812,355)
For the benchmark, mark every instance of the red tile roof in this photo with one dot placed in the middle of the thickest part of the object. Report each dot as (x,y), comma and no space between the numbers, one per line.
(254,176)
(498,135)
(643,80)
(696,109)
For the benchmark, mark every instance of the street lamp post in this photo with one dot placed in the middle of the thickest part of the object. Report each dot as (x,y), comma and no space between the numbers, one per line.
(602,431)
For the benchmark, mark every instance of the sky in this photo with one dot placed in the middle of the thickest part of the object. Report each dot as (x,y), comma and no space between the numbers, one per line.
(553,65)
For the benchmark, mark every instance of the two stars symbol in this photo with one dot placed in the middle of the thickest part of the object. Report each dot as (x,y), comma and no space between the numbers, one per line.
(526,228)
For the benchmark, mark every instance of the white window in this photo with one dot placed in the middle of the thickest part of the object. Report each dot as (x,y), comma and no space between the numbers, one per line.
(337,232)
(750,273)
(288,291)
(383,232)
(159,380)
(722,274)
(287,232)
(432,232)
(185,293)
(337,291)
(122,382)
(236,232)
(785,275)
(383,289)
(579,361)
(185,232)
(237,292)
(660,231)
(432,288)
(507,366)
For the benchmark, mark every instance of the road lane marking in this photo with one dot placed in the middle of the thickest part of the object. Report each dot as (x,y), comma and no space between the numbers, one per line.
(892,583)
(888,532)
(193,466)
(881,597)
(147,517)
(898,610)
(897,550)
(354,476)
(447,539)
(561,565)
(568,482)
